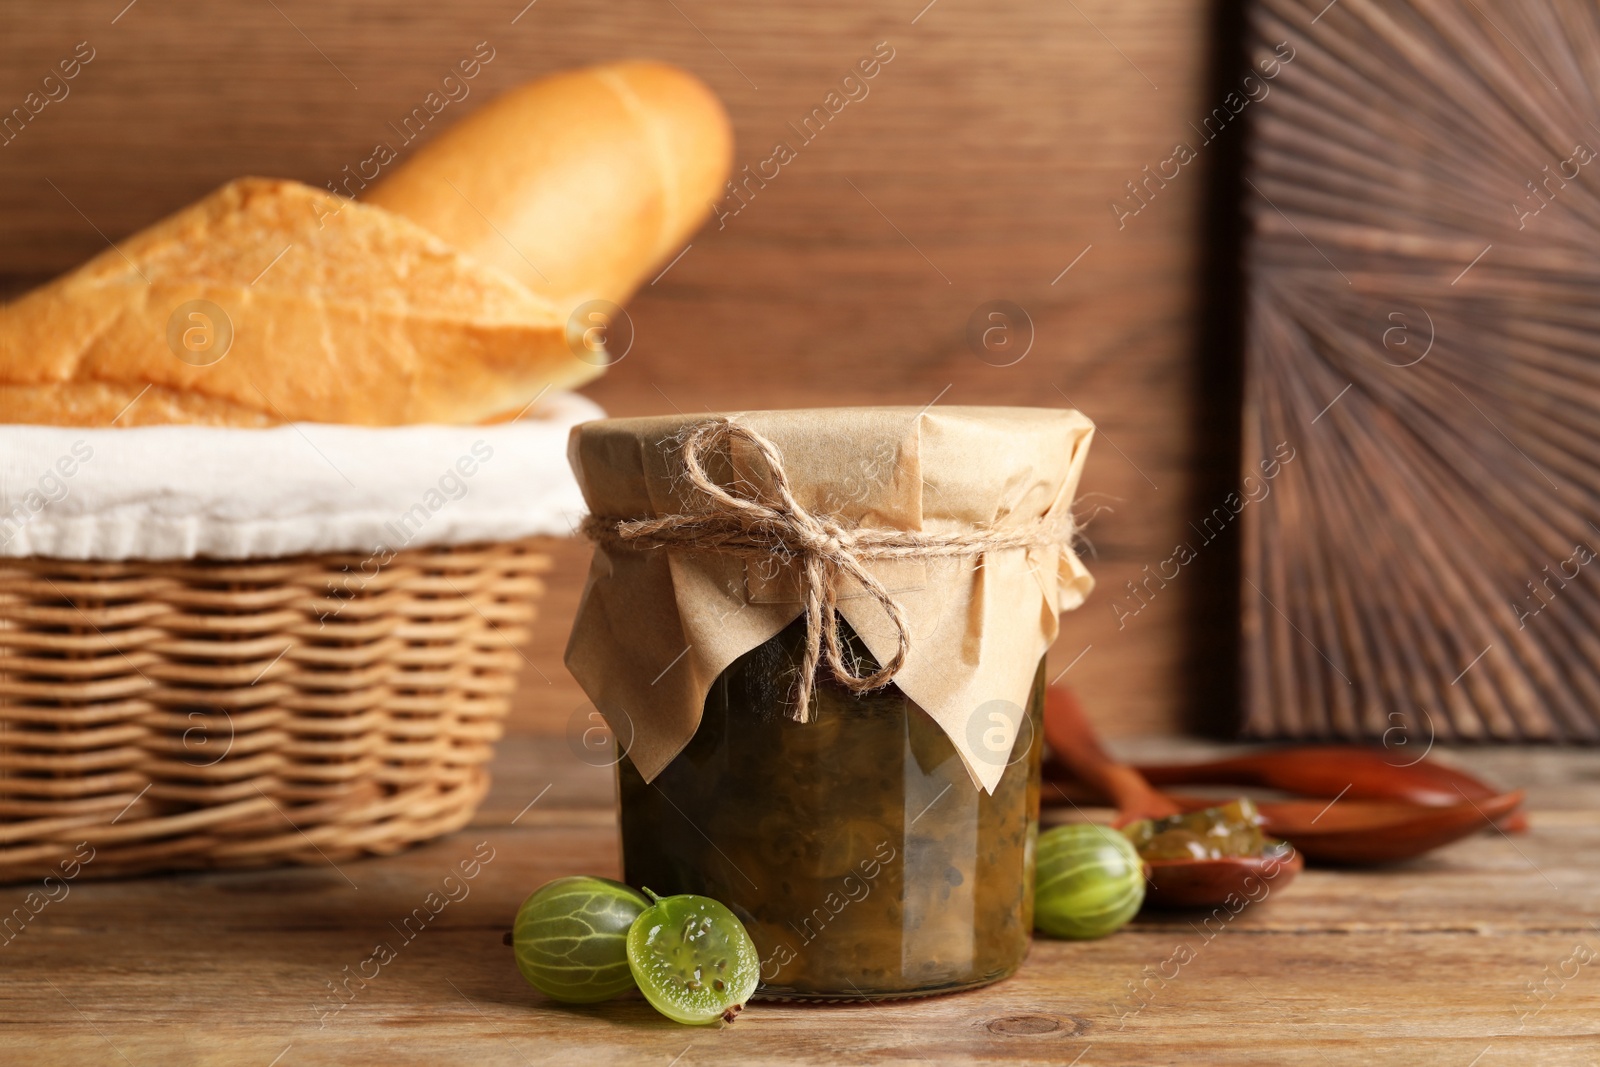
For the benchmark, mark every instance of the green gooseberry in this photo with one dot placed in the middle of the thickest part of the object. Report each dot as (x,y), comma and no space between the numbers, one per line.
(693,959)
(570,938)
(1088,881)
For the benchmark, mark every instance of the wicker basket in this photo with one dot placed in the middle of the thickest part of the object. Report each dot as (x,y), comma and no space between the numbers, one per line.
(237,714)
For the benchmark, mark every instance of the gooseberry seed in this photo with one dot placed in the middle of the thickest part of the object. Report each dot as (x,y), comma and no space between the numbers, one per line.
(672,945)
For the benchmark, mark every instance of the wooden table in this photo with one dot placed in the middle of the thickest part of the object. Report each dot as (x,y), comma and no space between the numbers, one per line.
(1425,964)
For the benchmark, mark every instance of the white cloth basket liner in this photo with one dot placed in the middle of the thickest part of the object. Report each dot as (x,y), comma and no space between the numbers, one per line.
(184,492)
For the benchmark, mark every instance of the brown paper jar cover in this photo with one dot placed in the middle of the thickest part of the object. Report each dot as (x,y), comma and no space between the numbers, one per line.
(657,626)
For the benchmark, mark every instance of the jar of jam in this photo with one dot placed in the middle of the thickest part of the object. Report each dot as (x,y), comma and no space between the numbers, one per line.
(858,851)
(818,637)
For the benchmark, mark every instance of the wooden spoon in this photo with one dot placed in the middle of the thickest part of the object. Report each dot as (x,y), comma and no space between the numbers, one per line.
(1351,771)
(1073,740)
(1345,831)
(1172,883)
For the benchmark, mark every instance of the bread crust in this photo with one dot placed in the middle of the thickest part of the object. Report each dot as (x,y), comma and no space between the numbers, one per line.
(339,312)
(106,404)
(445,295)
(579,185)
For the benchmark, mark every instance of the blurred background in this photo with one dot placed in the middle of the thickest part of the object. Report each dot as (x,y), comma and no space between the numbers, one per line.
(994,157)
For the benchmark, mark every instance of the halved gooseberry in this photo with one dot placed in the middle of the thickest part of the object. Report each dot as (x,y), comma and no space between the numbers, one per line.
(693,959)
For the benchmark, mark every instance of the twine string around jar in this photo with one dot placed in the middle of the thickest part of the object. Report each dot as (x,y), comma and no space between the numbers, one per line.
(827,550)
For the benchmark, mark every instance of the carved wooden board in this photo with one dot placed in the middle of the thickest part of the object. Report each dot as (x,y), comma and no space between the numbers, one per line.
(1422,340)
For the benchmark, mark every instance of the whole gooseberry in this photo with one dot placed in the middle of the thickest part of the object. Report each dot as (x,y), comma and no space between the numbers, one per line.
(571,938)
(1089,881)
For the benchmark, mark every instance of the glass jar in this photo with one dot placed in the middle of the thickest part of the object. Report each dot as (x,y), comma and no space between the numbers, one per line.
(855,847)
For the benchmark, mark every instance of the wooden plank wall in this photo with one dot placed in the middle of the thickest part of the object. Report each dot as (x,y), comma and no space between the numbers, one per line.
(983,162)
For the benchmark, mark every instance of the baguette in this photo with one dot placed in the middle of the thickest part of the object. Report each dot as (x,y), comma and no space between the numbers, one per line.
(340,312)
(446,295)
(579,185)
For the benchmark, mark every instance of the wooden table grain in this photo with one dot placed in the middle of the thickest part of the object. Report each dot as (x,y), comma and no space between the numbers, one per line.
(1485,953)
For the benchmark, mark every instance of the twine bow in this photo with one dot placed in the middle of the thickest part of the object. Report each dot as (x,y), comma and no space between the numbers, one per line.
(827,551)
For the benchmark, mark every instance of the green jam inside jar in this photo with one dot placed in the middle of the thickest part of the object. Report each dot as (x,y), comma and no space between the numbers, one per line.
(856,848)
(1232,829)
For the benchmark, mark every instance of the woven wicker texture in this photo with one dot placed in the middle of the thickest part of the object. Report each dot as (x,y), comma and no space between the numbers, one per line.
(222,714)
